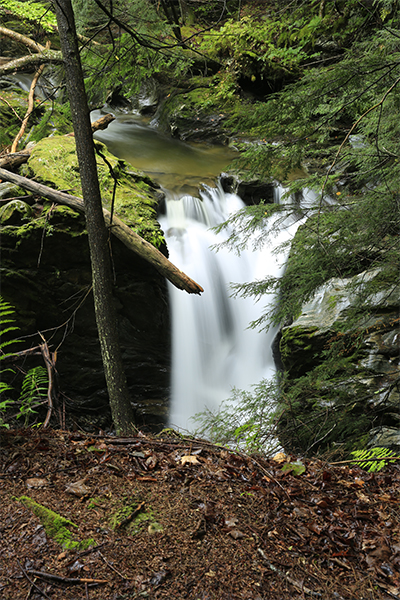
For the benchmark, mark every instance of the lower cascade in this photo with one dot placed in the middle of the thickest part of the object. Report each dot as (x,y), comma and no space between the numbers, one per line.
(213,348)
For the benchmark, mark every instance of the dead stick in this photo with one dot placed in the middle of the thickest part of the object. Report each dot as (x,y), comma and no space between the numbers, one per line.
(41,592)
(131,516)
(112,568)
(50,365)
(128,237)
(31,103)
(69,580)
(296,584)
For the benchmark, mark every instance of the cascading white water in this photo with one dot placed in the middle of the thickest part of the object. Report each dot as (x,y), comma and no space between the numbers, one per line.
(213,349)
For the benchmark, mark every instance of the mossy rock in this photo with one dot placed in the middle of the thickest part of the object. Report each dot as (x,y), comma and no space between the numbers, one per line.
(15,211)
(300,349)
(54,162)
(46,276)
(194,116)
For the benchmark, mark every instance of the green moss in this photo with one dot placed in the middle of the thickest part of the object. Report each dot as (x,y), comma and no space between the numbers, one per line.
(134,526)
(13,103)
(56,526)
(54,162)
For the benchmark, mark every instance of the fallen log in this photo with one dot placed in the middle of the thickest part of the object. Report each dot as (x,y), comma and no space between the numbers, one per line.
(15,160)
(132,240)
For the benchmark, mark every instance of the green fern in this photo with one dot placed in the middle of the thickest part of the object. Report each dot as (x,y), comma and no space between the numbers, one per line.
(33,392)
(35,383)
(6,310)
(374,459)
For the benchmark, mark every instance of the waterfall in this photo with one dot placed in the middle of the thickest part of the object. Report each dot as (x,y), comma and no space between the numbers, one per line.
(213,348)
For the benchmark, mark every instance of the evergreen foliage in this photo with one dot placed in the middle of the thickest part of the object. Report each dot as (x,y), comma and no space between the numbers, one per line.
(337,123)
(136,46)
(341,124)
(31,10)
(246,421)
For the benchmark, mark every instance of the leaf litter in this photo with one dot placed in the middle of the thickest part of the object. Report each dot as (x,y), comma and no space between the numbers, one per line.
(180,518)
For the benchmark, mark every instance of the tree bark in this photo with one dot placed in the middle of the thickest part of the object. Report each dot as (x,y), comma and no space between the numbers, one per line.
(132,240)
(23,39)
(106,317)
(31,61)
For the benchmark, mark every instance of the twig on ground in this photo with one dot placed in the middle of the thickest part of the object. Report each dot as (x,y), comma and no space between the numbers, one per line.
(299,586)
(112,568)
(33,584)
(68,580)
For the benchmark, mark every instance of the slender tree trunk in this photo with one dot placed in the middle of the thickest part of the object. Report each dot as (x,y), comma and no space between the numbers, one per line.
(172,18)
(106,318)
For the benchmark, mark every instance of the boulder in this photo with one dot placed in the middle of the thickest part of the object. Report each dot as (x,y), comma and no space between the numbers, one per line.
(46,276)
(250,189)
(359,390)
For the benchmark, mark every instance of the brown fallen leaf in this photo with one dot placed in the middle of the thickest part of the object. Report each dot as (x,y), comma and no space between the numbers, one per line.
(236,534)
(37,483)
(280,458)
(78,488)
(193,460)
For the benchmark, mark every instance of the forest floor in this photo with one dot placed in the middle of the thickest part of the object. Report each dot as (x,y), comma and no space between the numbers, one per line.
(165,517)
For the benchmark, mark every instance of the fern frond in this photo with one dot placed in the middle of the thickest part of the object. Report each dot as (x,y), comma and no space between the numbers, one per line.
(34,385)
(374,459)
(6,310)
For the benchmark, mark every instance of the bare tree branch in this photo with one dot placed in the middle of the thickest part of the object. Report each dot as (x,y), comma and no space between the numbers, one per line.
(31,104)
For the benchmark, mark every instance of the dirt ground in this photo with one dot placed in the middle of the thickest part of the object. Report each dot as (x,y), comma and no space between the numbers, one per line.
(165,517)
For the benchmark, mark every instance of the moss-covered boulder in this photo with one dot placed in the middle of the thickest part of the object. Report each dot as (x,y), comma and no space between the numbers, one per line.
(46,275)
(54,162)
(193,116)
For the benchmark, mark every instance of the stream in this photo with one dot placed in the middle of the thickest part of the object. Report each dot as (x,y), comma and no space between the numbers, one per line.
(213,348)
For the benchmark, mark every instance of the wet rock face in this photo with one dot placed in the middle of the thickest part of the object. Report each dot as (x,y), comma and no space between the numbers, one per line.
(46,275)
(369,377)
(184,116)
(250,190)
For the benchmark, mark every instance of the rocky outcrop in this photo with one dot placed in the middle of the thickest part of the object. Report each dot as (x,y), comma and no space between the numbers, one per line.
(353,401)
(250,189)
(183,115)
(46,275)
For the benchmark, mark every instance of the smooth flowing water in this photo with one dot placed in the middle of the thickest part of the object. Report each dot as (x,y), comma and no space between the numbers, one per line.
(213,348)
(178,167)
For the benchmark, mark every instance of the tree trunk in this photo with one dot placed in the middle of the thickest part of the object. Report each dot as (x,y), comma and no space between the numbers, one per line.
(172,18)
(106,317)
